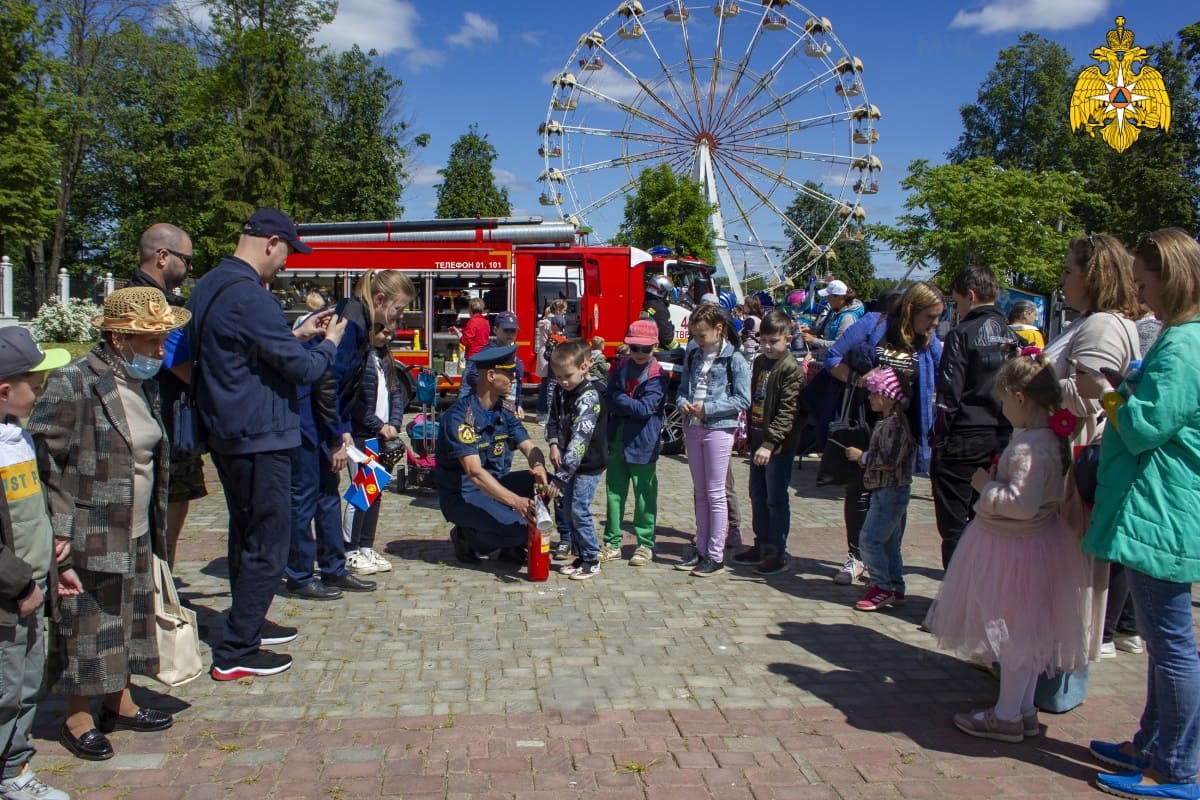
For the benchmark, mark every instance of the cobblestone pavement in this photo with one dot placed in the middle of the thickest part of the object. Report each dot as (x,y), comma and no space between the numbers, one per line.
(455,682)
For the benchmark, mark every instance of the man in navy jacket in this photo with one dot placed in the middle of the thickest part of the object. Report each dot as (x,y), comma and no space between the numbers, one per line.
(250,363)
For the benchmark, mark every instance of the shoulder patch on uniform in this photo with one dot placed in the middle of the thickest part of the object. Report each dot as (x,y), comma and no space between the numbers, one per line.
(466,434)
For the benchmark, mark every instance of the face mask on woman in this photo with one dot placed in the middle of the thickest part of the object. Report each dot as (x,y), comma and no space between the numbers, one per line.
(143,367)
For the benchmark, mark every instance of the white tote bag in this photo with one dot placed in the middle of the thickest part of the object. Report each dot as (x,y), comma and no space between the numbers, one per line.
(175,631)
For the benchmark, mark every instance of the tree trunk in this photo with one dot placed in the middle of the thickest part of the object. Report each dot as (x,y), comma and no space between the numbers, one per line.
(35,257)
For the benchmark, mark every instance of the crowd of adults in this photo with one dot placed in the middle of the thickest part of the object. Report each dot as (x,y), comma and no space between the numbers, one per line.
(118,493)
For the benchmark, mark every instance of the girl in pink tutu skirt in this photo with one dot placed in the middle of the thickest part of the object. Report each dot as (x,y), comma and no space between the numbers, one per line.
(1014,591)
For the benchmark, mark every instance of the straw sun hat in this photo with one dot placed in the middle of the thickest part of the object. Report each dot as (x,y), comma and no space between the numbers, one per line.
(140,309)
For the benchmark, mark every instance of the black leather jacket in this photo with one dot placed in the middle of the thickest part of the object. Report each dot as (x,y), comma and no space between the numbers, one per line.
(974,350)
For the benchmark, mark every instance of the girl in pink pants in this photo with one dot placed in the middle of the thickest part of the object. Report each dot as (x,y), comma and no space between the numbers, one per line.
(714,389)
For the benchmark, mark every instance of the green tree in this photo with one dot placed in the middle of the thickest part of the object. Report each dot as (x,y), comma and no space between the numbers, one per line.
(155,155)
(1019,118)
(1156,182)
(28,159)
(263,81)
(667,209)
(811,221)
(468,187)
(1016,222)
(76,58)
(357,169)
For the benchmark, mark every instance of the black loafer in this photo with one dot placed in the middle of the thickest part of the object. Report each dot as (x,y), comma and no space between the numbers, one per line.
(513,555)
(314,590)
(462,550)
(349,583)
(91,746)
(144,721)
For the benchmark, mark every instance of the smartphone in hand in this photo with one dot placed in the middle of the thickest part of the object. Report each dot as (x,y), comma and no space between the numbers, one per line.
(339,310)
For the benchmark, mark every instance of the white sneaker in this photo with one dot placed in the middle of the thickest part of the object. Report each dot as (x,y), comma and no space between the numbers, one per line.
(1129,644)
(1108,650)
(851,571)
(26,786)
(372,555)
(360,564)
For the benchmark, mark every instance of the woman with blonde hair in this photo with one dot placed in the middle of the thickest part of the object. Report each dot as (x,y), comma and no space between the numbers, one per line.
(100,438)
(1147,502)
(905,342)
(380,297)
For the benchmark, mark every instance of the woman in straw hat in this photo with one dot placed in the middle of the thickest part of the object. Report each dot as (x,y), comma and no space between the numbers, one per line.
(104,454)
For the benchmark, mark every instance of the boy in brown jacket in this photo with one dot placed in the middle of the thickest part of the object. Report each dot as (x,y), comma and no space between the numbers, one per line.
(774,423)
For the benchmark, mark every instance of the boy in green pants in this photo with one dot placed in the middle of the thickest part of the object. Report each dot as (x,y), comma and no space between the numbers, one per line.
(637,387)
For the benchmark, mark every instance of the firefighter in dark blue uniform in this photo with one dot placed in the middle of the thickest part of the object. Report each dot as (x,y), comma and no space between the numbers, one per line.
(489,506)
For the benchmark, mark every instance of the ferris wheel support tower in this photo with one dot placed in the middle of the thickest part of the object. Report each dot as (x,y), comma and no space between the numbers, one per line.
(703,174)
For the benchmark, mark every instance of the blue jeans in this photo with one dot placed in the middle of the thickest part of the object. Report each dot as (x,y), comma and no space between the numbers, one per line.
(315,499)
(577,496)
(882,532)
(769,506)
(1169,731)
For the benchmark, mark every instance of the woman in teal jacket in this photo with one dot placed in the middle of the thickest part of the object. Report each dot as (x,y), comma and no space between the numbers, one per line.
(1147,504)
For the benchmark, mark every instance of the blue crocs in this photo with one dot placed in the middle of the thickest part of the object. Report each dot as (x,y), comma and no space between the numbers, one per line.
(1129,784)
(1110,753)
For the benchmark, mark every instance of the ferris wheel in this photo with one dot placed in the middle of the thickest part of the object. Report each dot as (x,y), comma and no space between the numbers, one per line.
(758,102)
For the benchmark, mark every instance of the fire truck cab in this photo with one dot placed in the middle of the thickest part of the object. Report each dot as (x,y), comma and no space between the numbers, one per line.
(518,265)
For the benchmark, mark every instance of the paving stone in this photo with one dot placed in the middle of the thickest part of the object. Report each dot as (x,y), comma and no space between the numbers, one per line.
(643,683)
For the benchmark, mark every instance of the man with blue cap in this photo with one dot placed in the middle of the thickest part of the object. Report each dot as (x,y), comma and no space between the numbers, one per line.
(489,506)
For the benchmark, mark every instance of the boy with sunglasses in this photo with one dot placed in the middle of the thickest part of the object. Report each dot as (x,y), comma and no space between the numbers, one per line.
(637,389)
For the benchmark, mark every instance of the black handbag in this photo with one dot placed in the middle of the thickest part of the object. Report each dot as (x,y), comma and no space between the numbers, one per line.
(1085,469)
(1086,465)
(845,433)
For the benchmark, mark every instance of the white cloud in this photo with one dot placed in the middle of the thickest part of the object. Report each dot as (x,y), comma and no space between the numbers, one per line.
(387,26)
(997,16)
(475,29)
(505,177)
(422,57)
(384,25)
(424,175)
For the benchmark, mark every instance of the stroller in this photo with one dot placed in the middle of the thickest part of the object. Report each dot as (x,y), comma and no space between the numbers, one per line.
(422,433)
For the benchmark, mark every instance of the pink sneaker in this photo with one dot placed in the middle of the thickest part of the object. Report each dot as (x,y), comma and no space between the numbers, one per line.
(877,599)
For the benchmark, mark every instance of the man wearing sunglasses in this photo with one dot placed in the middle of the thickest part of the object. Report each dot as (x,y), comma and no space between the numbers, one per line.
(165,260)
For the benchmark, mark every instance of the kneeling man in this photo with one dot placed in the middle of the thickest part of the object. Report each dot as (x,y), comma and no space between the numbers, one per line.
(489,506)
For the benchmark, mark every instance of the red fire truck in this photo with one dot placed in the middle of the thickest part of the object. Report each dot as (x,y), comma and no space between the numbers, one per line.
(514,264)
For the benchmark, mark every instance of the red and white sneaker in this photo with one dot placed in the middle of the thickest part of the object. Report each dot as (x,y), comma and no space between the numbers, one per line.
(877,598)
(256,665)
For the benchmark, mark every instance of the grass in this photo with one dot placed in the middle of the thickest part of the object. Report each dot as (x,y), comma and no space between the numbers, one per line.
(76,349)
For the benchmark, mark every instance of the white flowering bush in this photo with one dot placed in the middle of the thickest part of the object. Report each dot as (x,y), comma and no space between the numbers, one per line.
(70,322)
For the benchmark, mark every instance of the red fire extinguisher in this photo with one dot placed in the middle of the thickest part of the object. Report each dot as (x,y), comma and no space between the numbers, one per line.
(538,565)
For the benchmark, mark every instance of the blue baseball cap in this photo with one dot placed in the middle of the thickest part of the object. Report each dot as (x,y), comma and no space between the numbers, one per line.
(496,357)
(268,222)
(507,320)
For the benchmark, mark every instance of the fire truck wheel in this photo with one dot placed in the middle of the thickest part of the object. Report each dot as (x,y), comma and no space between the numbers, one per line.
(672,431)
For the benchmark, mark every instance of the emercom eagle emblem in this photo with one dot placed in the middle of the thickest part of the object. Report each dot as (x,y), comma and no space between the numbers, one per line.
(1120,101)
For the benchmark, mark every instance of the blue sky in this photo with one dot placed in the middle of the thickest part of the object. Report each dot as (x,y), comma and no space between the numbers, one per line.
(492,63)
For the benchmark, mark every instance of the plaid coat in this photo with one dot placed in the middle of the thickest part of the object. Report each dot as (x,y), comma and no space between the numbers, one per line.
(85,456)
